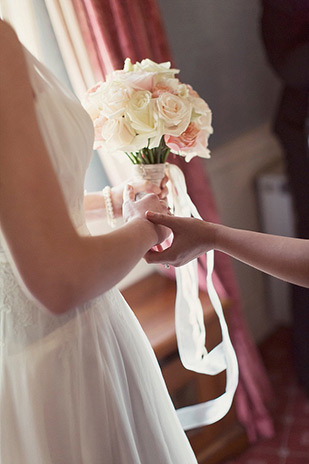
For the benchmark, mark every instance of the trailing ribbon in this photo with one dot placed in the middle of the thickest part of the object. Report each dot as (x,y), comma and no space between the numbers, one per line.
(189,321)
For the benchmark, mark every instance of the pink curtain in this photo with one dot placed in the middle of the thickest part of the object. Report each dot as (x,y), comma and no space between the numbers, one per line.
(254,390)
(114,30)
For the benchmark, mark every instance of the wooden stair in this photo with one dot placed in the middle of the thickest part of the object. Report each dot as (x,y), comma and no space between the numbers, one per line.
(153,301)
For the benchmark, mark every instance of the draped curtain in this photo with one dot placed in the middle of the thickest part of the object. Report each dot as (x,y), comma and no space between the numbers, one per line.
(95,36)
(114,30)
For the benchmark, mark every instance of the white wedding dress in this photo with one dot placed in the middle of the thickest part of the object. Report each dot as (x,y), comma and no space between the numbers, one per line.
(84,387)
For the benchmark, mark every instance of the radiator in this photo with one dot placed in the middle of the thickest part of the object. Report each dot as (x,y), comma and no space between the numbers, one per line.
(276,217)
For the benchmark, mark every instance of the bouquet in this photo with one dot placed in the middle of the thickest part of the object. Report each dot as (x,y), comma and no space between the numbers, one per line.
(144,111)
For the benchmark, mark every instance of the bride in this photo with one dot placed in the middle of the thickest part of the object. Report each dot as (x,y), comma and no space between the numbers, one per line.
(79,383)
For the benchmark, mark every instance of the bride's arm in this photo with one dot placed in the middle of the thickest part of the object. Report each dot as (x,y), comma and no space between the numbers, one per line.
(60,268)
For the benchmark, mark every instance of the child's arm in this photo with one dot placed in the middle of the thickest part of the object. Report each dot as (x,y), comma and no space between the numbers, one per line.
(283,257)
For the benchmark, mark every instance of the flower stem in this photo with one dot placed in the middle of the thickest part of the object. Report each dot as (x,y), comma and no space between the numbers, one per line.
(148,155)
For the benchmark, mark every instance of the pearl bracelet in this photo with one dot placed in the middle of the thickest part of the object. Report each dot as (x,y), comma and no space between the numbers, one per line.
(109,206)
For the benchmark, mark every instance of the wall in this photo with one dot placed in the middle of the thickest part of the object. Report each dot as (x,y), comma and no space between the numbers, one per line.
(216,45)
(233,170)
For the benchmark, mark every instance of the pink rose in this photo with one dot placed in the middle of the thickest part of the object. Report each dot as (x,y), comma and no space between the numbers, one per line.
(112,133)
(160,88)
(192,92)
(185,140)
(98,124)
(138,80)
(192,142)
(94,88)
(117,133)
(175,112)
(92,100)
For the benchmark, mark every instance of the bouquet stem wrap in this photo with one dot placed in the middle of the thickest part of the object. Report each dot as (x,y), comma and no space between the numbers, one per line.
(152,172)
(189,321)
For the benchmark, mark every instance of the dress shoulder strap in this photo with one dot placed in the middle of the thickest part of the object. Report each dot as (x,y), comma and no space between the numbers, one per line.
(42,78)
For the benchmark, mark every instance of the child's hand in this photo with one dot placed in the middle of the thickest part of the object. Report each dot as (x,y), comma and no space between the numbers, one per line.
(192,237)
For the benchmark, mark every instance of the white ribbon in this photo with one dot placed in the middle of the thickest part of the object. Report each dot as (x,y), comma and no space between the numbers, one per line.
(189,321)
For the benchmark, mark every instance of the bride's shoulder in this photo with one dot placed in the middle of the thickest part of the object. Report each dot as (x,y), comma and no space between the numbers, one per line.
(10,45)
(12,57)
(7,32)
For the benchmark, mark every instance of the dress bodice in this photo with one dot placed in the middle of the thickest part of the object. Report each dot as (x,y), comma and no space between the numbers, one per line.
(68,134)
(67,131)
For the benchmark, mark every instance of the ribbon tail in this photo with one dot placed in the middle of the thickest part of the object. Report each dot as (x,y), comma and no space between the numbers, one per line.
(190,326)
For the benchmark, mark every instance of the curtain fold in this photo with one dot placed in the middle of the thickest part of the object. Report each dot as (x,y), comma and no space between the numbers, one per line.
(72,45)
(117,29)
(110,31)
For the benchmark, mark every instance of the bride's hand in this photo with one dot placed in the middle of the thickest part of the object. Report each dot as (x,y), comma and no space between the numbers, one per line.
(136,209)
(117,192)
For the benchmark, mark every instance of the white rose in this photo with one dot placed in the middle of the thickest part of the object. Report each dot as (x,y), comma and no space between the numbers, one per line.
(182,90)
(114,98)
(143,116)
(137,80)
(159,71)
(204,122)
(201,113)
(161,80)
(150,66)
(175,113)
(117,133)
(140,112)
(199,105)
(128,66)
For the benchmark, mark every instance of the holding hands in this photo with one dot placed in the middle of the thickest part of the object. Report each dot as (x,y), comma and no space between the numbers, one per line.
(136,209)
(138,186)
(94,202)
(286,258)
(192,238)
